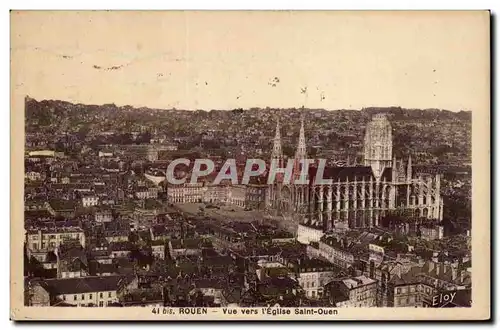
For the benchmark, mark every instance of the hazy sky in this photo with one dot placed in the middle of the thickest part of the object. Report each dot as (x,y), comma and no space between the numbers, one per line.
(225,60)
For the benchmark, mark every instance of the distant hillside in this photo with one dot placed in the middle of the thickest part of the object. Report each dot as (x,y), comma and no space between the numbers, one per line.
(433,133)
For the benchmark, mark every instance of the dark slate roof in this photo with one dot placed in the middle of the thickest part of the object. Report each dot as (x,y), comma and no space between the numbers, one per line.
(232,294)
(218,260)
(61,204)
(337,292)
(37,214)
(387,174)
(307,264)
(120,246)
(192,243)
(343,173)
(96,268)
(159,230)
(143,296)
(71,251)
(351,173)
(83,285)
(274,285)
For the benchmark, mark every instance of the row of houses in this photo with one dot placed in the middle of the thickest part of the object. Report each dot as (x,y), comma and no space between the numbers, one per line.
(251,196)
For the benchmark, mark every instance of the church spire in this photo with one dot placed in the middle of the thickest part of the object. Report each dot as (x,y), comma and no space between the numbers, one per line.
(277,151)
(301,152)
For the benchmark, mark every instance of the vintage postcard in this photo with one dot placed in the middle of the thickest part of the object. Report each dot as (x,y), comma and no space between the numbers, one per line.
(250,165)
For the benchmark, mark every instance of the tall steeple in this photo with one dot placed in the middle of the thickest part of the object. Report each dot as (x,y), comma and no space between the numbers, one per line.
(274,196)
(301,152)
(277,151)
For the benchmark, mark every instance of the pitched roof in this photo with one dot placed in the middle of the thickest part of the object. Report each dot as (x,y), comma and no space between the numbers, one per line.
(344,173)
(143,295)
(83,285)
(120,246)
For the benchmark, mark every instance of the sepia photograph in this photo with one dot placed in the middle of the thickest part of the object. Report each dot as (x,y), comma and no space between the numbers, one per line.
(250,165)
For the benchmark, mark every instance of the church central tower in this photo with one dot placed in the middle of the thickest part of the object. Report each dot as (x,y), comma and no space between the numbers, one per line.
(378,145)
